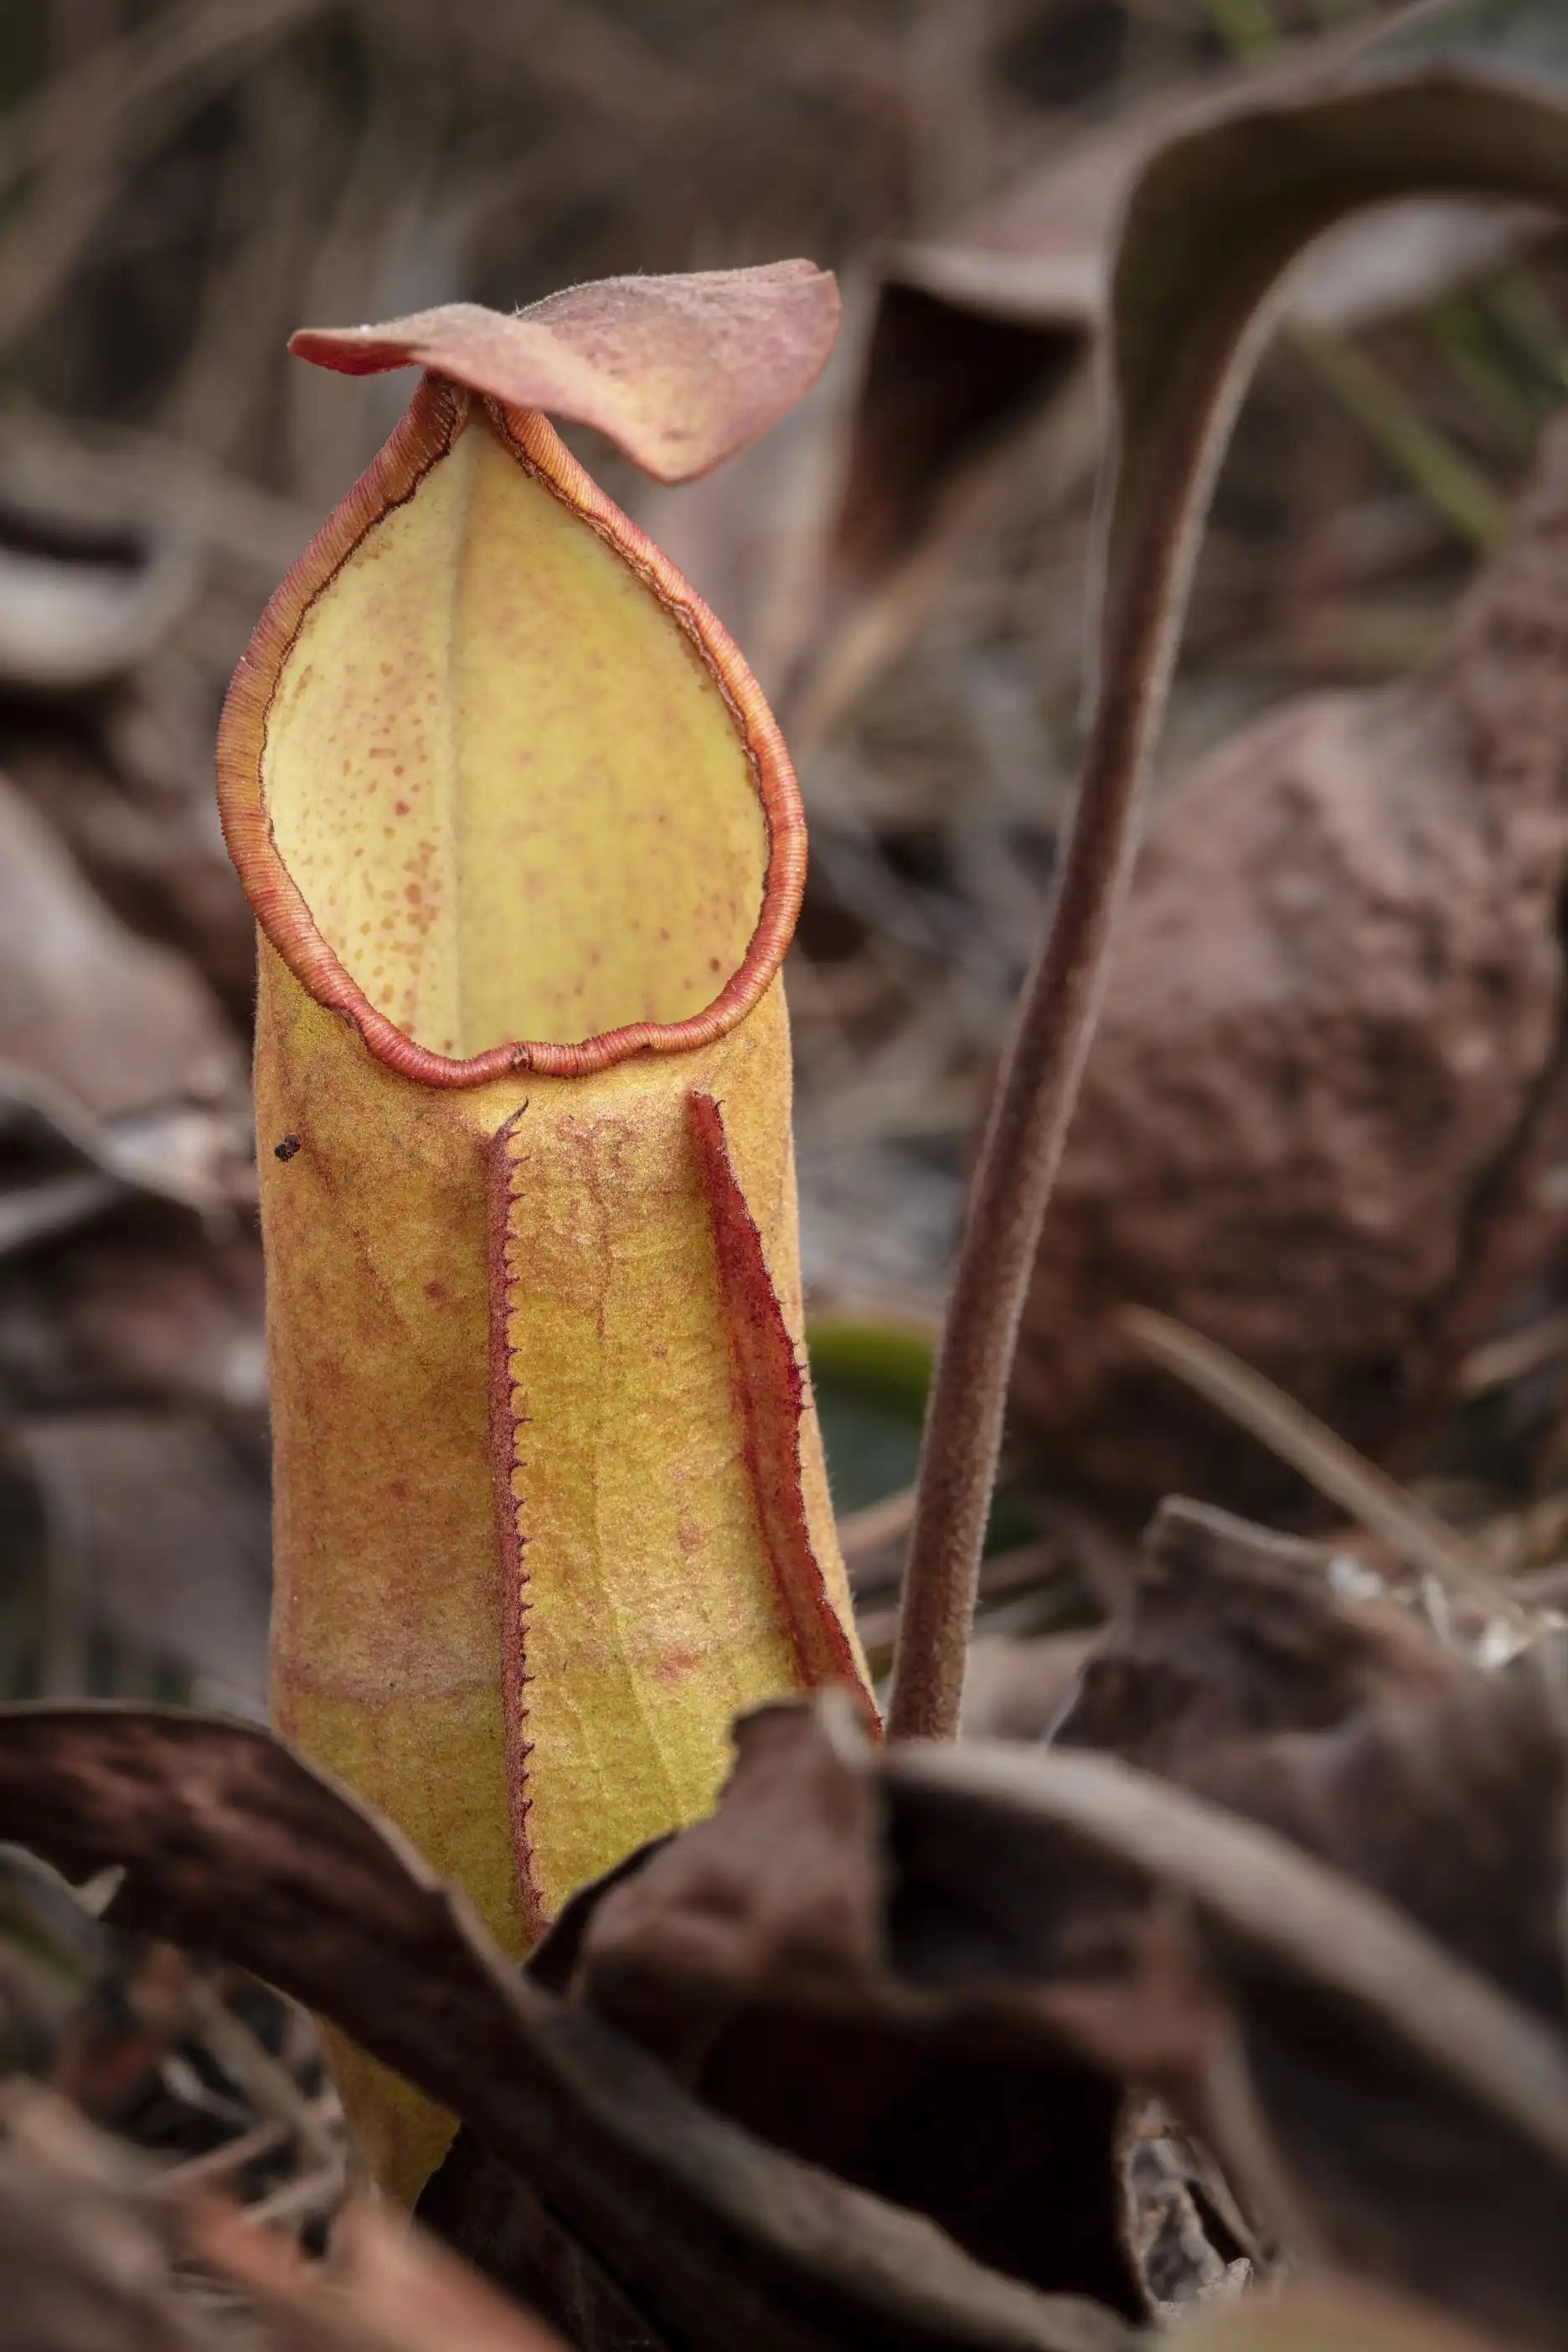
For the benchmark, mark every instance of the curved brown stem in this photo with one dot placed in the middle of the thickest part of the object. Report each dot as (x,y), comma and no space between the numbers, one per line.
(1013,1180)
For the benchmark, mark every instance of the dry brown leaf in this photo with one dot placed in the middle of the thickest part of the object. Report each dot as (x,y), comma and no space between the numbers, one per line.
(1225,1634)
(750,1953)
(1375,2048)
(232,1845)
(1346,2091)
(1453,1806)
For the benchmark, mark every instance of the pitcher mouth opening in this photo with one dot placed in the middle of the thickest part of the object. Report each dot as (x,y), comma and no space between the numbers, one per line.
(424,868)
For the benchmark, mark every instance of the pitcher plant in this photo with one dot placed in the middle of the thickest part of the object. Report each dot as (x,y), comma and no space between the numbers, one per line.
(526,851)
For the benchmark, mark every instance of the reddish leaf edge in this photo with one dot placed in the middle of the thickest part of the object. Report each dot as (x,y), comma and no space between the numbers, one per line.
(435,417)
(770,1388)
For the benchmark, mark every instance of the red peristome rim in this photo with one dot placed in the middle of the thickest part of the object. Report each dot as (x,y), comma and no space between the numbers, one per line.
(434,416)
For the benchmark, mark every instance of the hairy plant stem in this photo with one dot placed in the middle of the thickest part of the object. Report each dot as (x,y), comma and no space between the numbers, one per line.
(1018,1160)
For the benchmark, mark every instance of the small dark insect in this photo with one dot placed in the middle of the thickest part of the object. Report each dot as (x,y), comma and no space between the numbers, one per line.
(287,1149)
